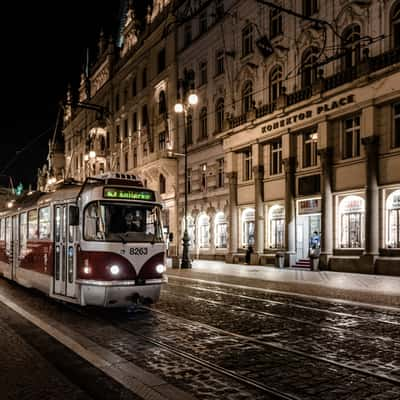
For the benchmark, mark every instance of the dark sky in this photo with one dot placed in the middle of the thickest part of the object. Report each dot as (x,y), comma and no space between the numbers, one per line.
(42,51)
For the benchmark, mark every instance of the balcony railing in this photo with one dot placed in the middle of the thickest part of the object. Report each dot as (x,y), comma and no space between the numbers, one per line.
(366,66)
(265,109)
(237,121)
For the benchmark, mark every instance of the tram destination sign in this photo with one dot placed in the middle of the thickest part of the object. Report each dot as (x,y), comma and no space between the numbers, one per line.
(128,194)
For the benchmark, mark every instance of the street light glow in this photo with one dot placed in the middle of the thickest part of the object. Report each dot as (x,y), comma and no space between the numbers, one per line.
(193,99)
(178,108)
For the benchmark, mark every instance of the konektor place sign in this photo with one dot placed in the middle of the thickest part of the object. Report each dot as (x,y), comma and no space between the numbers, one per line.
(301,116)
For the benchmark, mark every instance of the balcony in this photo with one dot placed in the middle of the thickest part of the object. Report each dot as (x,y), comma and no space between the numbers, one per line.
(367,66)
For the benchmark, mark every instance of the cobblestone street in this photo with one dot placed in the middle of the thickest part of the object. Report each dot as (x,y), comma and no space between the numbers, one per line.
(213,341)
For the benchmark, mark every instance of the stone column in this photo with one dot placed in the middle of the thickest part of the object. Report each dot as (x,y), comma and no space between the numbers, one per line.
(326,206)
(371,145)
(258,172)
(233,215)
(290,211)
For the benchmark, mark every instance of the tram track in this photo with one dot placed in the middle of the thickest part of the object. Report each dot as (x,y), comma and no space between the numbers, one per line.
(291,305)
(263,374)
(282,348)
(274,315)
(168,345)
(249,382)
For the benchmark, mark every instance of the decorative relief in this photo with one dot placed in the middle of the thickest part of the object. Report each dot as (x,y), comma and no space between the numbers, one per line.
(99,79)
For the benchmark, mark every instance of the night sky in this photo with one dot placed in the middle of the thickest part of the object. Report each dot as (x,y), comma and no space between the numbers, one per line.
(43,50)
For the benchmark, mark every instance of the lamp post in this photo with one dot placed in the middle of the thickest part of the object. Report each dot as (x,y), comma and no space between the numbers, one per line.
(181,107)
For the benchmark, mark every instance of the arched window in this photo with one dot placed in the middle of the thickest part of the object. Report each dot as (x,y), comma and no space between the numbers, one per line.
(189,128)
(309,67)
(247,96)
(162,106)
(102,143)
(204,231)
(395,25)
(162,184)
(221,231)
(352,222)
(275,83)
(276,217)
(203,123)
(393,220)
(248,220)
(351,46)
(219,115)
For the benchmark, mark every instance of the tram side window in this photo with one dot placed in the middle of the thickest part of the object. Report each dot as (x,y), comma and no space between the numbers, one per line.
(8,235)
(44,223)
(32,224)
(2,232)
(22,233)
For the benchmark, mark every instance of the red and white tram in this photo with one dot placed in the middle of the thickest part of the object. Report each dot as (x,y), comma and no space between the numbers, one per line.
(97,243)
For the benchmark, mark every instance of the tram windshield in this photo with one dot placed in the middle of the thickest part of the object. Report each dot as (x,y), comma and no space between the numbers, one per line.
(122,222)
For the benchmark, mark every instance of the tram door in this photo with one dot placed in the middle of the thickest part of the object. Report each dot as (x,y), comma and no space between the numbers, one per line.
(64,253)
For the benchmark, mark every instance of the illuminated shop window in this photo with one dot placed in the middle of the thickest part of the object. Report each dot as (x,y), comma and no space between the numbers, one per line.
(393,220)
(352,222)
(248,221)
(204,231)
(191,228)
(221,231)
(276,218)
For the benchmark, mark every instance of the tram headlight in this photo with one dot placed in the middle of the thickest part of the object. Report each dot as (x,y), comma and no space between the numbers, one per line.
(114,269)
(160,268)
(86,270)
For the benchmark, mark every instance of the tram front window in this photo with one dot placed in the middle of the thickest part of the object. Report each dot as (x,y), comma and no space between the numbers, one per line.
(122,222)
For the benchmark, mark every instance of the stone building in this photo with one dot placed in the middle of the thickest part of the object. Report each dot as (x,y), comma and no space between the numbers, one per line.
(297,128)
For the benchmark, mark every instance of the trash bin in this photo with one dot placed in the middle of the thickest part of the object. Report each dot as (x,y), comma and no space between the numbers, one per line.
(314,263)
(314,258)
(280,260)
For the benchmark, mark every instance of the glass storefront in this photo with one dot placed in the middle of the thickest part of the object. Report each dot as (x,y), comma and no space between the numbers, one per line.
(308,225)
(276,218)
(221,231)
(351,222)
(204,231)
(248,225)
(393,220)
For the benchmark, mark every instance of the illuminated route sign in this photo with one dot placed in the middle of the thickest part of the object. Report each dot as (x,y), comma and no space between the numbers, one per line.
(128,194)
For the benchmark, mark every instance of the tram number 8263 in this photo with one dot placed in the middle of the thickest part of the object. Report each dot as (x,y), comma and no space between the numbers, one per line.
(138,251)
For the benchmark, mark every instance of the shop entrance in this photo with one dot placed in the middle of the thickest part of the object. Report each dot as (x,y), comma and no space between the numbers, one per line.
(308,221)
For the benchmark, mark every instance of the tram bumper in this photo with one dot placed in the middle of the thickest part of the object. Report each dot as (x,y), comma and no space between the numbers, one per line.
(119,294)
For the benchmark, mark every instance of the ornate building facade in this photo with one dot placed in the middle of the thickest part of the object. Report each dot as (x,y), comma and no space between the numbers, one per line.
(297,129)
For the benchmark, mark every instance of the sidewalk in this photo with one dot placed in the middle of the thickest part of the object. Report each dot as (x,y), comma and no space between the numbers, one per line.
(371,289)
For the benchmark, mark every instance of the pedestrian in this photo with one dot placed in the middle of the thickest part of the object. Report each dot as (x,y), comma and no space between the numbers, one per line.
(248,253)
(315,240)
(315,245)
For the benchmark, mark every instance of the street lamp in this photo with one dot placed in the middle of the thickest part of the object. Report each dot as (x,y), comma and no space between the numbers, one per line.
(189,99)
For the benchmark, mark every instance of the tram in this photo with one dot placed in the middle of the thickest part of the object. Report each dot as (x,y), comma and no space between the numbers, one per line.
(95,243)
